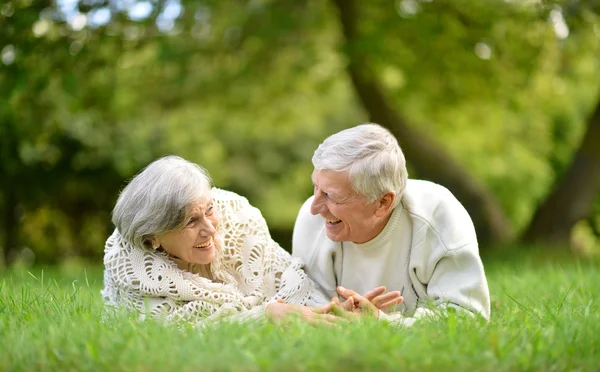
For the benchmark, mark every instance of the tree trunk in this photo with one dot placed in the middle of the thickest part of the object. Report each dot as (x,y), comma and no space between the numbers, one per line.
(431,160)
(572,199)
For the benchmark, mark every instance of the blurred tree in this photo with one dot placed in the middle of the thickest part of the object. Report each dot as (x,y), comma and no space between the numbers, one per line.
(385,59)
(577,184)
(58,124)
(572,199)
(431,161)
(488,98)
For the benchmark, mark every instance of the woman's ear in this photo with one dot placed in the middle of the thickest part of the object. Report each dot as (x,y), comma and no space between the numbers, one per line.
(155,243)
(384,204)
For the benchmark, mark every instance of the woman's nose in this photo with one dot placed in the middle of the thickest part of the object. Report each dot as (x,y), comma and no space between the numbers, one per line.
(208,229)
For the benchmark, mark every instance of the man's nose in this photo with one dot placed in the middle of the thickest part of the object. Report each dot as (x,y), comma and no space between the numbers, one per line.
(317,205)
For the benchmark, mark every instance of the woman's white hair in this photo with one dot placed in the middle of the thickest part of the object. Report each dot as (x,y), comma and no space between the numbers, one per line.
(158,199)
(372,157)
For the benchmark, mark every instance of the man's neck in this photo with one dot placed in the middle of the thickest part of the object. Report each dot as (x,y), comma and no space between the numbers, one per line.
(377,228)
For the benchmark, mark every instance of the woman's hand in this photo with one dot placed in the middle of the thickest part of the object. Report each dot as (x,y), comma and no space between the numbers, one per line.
(280,311)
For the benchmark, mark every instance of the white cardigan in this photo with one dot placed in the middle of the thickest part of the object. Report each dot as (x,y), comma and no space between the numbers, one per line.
(428,250)
(249,271)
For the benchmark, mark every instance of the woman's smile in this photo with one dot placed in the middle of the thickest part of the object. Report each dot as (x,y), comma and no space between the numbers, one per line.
(206,245)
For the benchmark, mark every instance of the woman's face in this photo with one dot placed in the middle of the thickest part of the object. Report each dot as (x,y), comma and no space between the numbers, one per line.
(196,241)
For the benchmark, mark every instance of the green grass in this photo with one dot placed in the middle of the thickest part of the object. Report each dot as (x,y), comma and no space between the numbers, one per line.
(545,316)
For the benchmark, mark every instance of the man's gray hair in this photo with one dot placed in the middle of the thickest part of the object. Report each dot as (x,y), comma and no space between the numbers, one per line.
(158,199)
(372,157)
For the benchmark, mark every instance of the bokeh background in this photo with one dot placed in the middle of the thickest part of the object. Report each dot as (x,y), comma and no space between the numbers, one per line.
(498,100)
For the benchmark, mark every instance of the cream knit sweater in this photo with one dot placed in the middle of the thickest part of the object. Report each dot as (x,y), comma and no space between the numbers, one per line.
(249,271)
(428,250)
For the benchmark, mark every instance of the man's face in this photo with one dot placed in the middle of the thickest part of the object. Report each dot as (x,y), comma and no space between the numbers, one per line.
(346,214)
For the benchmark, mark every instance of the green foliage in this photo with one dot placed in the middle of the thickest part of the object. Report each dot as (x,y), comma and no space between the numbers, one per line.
(545,316)
(249,89)
(493,83)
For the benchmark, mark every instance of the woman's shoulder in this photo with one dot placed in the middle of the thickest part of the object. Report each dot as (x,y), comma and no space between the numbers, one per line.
(234,205)
(229,202)
(220,195)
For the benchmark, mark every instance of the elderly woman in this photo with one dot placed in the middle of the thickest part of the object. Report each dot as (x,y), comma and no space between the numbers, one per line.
(184,251)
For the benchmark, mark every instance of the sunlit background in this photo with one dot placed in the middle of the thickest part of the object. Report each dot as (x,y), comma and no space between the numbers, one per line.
(493,99)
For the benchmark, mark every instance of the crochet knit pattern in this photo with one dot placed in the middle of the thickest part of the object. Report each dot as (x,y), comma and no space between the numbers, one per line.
(249,271)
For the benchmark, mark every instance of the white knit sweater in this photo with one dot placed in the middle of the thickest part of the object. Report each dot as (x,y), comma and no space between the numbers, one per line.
(249,271)
(428,250)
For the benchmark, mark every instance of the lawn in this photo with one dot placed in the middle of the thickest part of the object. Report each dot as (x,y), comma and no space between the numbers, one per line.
(545,316)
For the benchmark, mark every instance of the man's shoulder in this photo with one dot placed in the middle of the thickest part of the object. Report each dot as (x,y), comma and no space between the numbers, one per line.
(436,206)
(424,197)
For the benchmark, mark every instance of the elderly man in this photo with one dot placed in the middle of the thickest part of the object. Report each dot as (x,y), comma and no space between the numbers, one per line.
(369,225)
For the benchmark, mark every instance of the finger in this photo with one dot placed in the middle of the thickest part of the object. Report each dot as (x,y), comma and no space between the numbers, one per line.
(365,305)
(348,305)
(328,322)
(337,307)
(327,318)
(390,303)
(385,298)
(361,300)
(322,309)
(374,292)
(320,323)
(345,293)
(340,310)
(332,318)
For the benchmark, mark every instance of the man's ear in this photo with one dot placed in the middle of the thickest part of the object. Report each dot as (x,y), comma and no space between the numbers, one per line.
(384,204)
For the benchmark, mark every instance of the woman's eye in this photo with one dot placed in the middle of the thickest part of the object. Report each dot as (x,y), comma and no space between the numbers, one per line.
(191,221)
(210,210)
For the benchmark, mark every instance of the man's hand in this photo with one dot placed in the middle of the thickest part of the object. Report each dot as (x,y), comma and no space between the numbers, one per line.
(383,301)
(355,306)
(376,296)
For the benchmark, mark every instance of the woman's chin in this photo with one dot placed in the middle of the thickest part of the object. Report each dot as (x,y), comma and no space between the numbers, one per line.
(204,257)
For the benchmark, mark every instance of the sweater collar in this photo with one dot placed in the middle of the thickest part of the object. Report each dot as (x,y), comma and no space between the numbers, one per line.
(385,234)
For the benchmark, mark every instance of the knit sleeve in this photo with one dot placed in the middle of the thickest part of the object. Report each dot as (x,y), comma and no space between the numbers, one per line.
(201,313)
(291,283)
(149,283)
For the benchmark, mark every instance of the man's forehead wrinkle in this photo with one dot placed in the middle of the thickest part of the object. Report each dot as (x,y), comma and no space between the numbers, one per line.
(331,188)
